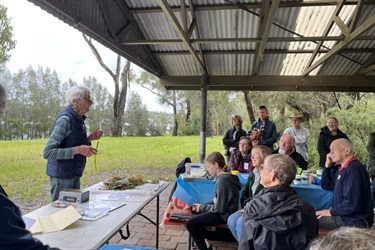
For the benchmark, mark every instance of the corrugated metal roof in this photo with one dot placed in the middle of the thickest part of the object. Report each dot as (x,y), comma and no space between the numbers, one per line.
(169,40)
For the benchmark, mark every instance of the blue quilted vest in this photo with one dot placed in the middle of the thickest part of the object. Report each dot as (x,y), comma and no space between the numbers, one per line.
(72,167)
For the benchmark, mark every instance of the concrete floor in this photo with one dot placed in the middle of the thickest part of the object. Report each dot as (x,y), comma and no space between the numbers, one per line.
(143,233)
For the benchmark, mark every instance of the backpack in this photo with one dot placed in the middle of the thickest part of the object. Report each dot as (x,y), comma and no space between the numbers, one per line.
(179,170)
(181,166)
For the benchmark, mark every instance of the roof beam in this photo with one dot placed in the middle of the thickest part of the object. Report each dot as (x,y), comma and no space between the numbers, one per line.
(368,66)
(325,33)
(290,4)
(365,26)
(194,27)
(107,19)
(176,25)
(265,30)
(269,52)
(356,15)
(274,83)
(244,40)
(133,25)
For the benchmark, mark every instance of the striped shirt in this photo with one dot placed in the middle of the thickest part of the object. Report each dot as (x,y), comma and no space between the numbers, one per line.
(61,130)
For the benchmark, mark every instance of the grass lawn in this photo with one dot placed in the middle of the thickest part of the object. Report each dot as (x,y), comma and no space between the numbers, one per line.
(154,158)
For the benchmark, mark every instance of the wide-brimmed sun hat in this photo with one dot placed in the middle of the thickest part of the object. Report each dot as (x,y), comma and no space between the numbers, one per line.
(298,116)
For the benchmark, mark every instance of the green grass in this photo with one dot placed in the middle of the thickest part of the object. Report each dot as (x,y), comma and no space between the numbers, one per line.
(155,158)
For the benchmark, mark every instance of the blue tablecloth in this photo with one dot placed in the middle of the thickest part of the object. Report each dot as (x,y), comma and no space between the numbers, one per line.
(201,191)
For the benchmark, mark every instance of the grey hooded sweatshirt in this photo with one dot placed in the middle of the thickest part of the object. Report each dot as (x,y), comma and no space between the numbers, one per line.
(227,194)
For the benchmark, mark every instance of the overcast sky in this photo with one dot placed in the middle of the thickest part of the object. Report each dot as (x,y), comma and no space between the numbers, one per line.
(43,40)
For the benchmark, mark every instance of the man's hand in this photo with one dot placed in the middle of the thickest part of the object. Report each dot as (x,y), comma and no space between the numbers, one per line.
(329,161)
(196,207)
(85,150)
(95,135)
(321,213)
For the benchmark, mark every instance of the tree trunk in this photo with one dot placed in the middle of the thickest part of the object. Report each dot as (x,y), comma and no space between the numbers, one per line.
(249,106)
(188,112)
(120,95)
(175,128)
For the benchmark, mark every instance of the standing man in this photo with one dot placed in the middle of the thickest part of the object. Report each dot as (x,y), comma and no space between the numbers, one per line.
(268,134)
(277,218)
(352,204)
(327,135)
(68,146)
(287,148)
(301,135)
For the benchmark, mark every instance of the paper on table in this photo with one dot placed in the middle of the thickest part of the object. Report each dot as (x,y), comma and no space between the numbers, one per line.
(111,205)
(150,186)
(60,220)
(54,222)
(35,227)
(94,213)
(115,196)
(29,222)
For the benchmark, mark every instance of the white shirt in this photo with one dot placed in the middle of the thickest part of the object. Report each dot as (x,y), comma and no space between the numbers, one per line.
(301,138)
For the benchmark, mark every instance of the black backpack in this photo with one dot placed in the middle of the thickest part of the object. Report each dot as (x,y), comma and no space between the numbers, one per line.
(179,170)
(181,166)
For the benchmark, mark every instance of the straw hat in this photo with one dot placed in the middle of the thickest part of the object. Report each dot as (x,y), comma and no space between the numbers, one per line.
(298,116)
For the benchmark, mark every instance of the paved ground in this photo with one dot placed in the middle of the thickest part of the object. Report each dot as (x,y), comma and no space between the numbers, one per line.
(142,232)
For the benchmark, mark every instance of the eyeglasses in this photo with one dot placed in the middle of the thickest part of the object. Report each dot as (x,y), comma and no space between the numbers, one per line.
(87,100)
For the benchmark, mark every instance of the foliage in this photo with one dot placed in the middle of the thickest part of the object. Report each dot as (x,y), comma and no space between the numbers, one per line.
(136,116)
(100,112)
(36,97)
(165,97)
(7,42)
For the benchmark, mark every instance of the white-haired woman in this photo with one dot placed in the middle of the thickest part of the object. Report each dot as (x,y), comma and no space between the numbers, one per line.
(68,146)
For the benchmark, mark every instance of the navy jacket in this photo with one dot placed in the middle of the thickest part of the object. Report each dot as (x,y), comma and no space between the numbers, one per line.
(268,135)
(70,168)
(325,140)
(13,234)
(351,195)
(228,140)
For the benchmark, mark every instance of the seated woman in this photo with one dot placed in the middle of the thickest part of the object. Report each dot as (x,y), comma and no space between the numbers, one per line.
(225,202)
(252,187)
(240,160)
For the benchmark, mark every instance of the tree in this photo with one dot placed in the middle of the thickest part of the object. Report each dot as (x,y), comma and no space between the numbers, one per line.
(6,35)
(120,93)
(100,112)
(159,123)
(151,83)
(137,120)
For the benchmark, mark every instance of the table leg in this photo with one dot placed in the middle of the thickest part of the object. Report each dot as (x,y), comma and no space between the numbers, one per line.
(188,247)
(157,222)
